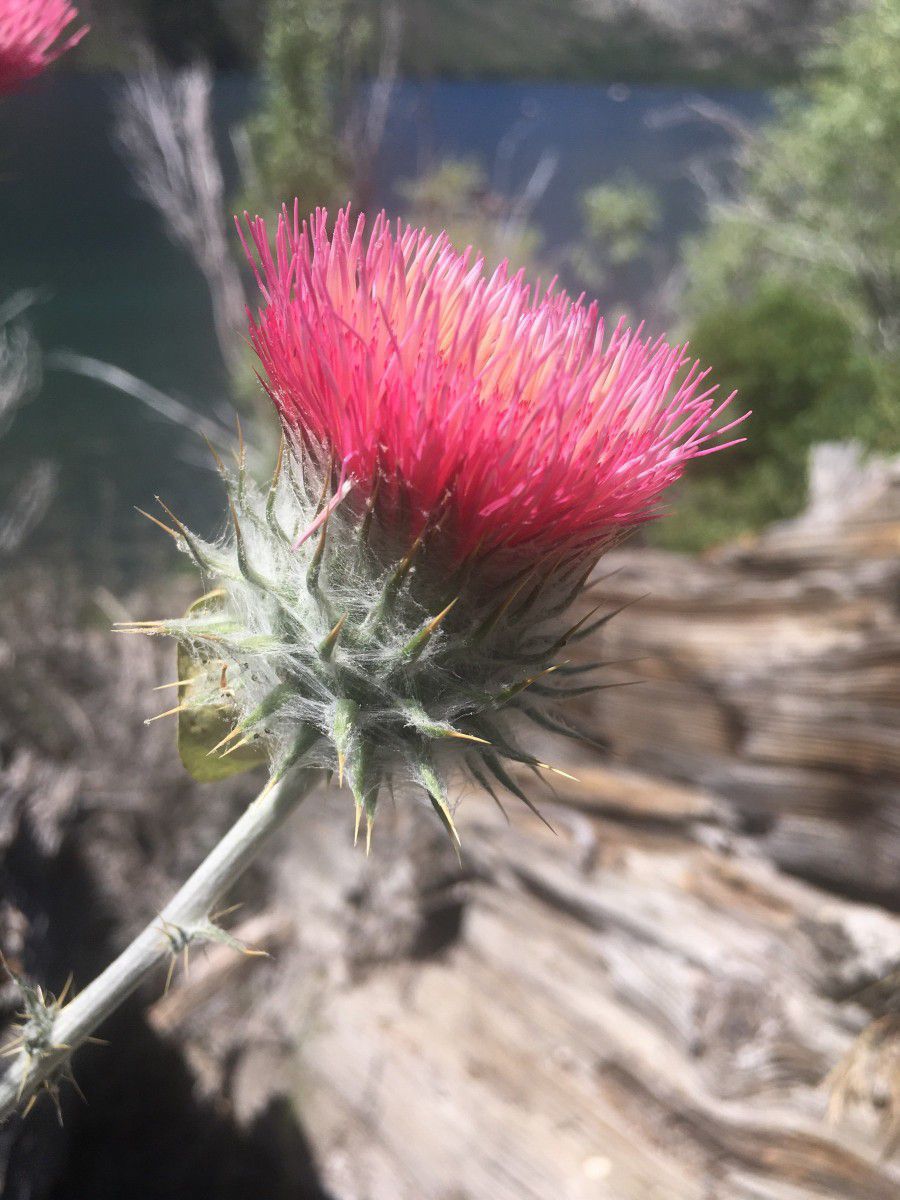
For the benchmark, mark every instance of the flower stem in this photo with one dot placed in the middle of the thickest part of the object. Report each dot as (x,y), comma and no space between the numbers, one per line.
(189,909)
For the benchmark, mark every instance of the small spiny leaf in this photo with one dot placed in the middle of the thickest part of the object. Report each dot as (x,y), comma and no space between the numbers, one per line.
(201,728)
(496,768)
(419,641)
(434,786)
(328,643)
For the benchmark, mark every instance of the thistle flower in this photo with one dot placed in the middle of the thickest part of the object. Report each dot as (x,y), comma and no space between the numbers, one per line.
(420,376)
(458,452)
(32,36)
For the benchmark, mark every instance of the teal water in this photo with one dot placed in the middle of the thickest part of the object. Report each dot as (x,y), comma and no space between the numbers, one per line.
(114,287)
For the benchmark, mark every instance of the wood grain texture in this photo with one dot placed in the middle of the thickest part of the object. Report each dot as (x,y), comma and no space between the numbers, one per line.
(649,1004)
(645,1006)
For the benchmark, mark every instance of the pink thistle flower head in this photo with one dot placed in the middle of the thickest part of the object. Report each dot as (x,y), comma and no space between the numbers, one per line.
(32,36)
(458,452)
(508,410)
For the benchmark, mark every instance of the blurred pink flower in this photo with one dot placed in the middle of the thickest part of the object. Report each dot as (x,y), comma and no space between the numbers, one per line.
(31,38)
(505,409)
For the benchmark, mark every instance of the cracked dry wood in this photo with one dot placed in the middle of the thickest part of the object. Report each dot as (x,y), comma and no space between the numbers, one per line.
(772,679)
(645,1006)
(652,1021)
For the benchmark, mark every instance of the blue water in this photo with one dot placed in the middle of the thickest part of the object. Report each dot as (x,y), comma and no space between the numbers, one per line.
(116,288)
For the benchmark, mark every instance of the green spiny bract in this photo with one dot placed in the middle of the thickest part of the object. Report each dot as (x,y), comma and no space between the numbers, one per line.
(363,653)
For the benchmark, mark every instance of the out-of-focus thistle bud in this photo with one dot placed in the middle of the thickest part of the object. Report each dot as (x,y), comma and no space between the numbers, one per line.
(458,452)
(33,34)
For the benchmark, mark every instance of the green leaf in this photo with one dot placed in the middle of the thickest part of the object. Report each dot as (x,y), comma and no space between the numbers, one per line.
(200,729)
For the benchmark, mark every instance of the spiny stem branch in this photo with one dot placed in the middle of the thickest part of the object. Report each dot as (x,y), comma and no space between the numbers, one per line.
(188,910)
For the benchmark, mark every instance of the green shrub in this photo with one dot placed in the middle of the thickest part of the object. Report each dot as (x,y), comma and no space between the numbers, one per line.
(619,217)
(456,196)
(293,136)
(794,360)
(820,205)
(793,293)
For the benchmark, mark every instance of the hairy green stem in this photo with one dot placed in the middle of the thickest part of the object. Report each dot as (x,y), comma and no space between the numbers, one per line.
(188,910)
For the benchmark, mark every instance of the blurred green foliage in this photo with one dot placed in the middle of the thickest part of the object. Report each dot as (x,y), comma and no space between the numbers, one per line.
(513,39)
(534,39)
(796,364)
(618,221)
(309,47)
(456,196)
(823,183)
(620,216)
(794,293)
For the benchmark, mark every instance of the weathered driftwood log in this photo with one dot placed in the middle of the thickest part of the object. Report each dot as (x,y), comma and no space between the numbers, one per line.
(639,1007)
(772,678)
(647,1005)
(651,1003)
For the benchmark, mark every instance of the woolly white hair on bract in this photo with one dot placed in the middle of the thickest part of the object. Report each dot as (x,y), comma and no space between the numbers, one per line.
(330,642)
